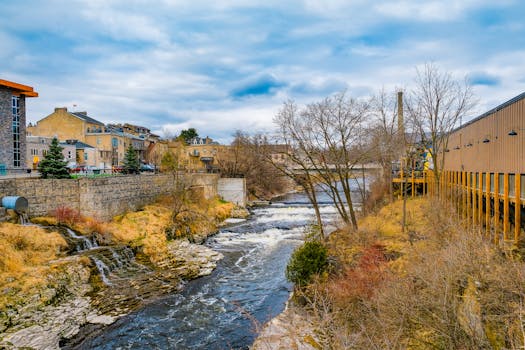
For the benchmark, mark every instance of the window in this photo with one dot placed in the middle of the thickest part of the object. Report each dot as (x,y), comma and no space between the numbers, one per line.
(15,102)
(85,156)
(491,182)
(501,186)
(98,141)
(69,154)
(114,142)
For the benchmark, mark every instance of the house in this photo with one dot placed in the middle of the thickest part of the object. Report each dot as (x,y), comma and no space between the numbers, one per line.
(38,146)
(85,155)
(13,125)
(65,125)
(198,155)
(96,143)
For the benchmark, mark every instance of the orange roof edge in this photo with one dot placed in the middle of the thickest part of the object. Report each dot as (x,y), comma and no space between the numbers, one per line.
(23,89)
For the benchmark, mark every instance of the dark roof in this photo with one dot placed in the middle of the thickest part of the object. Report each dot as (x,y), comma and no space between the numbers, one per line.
(82,145)
(84,116)
(78,144)
(493,110)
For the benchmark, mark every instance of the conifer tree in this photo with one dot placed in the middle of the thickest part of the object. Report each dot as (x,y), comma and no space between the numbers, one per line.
(131,162)
(53,165)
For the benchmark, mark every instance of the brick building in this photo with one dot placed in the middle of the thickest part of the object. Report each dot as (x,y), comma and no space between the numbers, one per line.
(13,125)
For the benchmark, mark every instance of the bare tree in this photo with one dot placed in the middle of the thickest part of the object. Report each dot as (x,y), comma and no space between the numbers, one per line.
(385,136)
(436,106)
(327,142)
(292,133)
(246,157)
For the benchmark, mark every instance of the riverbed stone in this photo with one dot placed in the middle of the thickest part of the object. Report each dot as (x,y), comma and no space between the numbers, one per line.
(292,329)
(193,260)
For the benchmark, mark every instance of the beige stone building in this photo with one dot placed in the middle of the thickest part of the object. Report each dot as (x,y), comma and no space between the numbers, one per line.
(97,144)
(38,146)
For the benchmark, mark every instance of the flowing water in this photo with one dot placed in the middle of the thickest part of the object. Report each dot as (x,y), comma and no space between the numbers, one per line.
(224,310)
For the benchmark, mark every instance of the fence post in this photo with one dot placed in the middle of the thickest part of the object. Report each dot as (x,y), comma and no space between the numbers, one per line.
(469,198)
(496,208)
(474,195)
(505,206)
(487,204)
(517,209)
(480,199)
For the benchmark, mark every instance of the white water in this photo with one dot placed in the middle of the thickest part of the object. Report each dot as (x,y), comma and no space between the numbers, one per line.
(219,311)
(86,243)
(103,270)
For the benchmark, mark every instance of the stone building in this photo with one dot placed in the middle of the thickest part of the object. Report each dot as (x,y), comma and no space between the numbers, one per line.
(108,143)
(38,146)
(13,125)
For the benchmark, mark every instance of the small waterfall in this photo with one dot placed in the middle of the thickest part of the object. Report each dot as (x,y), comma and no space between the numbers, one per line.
(114,263)
(24,219)
(103,270)
(83,242)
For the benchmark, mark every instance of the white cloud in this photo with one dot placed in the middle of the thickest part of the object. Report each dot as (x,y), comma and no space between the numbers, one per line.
(174,63)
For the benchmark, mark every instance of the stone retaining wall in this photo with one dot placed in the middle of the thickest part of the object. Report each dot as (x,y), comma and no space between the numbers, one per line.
(101,197)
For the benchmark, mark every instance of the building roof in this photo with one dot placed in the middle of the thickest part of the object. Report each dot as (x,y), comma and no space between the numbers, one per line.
(22,89)
(493,110)
(78,144)
(84,116)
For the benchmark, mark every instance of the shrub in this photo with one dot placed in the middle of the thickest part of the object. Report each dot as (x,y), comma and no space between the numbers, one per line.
(308,260)
(53,165)
(66,215)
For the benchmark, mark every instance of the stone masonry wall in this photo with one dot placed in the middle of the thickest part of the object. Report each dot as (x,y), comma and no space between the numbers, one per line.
(6,136)
(6,129)
(102,197)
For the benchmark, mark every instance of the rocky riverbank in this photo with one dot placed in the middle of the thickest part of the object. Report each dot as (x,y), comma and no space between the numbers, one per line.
(79,300)
(292,329)
(117,268)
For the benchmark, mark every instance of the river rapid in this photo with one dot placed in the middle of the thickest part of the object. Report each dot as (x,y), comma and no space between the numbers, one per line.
(225,309)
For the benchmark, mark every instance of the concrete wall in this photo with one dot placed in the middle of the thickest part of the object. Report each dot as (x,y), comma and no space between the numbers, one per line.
(232,190)
(102,197)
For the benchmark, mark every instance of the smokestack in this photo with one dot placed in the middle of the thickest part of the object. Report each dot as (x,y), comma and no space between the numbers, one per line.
(400,120)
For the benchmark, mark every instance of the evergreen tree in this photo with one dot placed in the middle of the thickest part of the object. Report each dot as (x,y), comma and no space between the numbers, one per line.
(131,162)
(187,135)
(53,165)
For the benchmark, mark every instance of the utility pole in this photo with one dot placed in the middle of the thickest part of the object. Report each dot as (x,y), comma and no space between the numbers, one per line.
(402,139)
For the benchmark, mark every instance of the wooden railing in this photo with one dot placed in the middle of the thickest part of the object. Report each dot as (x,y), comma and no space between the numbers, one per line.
(490,201)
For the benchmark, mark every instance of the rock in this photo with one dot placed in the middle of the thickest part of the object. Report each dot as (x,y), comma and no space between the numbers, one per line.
(194,260)
(54,323)
(239,213)
(469,313)
(292,329)
(100,319)
(57,312)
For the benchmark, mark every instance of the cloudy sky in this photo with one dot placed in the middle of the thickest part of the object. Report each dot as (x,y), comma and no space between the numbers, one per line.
(219,66)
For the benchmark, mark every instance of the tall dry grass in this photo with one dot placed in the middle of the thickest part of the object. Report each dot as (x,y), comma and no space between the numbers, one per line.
(25,256)
(439,286)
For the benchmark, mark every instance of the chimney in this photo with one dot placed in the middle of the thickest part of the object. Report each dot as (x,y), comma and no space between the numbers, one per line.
(60,109)
(400,119)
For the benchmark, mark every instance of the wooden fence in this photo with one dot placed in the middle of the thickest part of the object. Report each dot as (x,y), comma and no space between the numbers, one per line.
(492,202)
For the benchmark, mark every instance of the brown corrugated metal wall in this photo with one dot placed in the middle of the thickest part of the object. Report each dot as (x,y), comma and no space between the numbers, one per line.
(502,153)
(484,171)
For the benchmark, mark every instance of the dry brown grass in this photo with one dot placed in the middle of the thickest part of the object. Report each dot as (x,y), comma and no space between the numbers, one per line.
(146,230)
(438,286)
(25,254)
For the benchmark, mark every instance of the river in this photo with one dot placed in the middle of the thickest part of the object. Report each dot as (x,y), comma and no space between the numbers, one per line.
(225,309)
